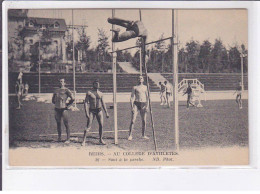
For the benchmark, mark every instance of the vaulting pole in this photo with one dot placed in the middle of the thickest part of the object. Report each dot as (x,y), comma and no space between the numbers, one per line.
(143,62)
(114,55)
(149,96)
(175,76)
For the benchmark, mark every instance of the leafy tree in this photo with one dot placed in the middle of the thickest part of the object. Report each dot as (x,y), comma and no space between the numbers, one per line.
(83,43)
(205,56)
(245,52)
(219,57)
(192,49)
(103,44)
(16,44)
(234,59)
(182,60)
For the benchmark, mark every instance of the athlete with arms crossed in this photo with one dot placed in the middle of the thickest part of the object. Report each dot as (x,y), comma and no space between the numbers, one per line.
(94,102)
(59,98)
(139,102)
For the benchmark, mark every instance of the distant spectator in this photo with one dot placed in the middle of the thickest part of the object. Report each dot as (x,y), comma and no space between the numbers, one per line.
(19,87)
(162,93)
(189,93)
(26,88)
(20,77)
(168,92)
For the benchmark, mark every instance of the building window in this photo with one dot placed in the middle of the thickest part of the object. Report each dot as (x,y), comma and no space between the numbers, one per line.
(31,24)
(57,47)
(56,25)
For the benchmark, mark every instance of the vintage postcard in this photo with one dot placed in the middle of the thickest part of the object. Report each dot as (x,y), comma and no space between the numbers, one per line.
(127,87)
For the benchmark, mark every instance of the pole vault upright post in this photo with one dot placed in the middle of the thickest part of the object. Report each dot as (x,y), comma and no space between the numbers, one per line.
(175,76)
(140,49)
(114,55)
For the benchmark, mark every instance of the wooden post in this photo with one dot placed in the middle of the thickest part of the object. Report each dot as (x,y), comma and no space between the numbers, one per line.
(141,66)
(175,77)
(73,53)
(114,55)
(39,66)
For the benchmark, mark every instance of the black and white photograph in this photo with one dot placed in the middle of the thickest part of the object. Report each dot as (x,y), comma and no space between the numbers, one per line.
(127,87)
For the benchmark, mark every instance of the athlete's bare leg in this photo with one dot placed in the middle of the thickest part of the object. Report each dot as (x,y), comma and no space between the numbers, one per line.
(167,100)
(58,121)
(89,123)
(19,101)
(65,116)
(161,97)
(239,101)
(143,114)
(134,114)
(100,123)
(120,22)
(123,36)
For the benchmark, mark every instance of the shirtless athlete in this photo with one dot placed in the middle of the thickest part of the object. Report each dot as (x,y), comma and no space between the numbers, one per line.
(133,29)
(139,101)
(94,102)
(59,98)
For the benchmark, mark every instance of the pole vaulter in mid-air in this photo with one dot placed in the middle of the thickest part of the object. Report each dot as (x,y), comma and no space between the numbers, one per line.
(133,29)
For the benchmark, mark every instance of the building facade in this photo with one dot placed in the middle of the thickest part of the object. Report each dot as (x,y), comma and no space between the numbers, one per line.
(27,36)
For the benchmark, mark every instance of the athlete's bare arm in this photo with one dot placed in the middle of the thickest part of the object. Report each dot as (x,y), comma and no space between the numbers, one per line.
(147,99)
(104,106)
(71,98)
(53,98)
(86,105)
(132,98)
(16,88)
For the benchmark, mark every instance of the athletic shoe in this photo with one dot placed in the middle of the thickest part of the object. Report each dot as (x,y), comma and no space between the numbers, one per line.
(67,141)
(145,137)
(102,142)
(130,138)
(161,104)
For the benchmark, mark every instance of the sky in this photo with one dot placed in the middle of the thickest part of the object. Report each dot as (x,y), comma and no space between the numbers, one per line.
(230,25)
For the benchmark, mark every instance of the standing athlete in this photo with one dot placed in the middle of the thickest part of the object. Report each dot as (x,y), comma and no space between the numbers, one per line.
(19,87)
(59,98)
(94,102)
(168,88)
(162,93)
(189,93)
(239,95)
(26,88)
(139,102)
(133,29)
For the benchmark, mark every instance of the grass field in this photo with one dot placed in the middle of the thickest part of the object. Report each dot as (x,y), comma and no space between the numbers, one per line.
(217,124)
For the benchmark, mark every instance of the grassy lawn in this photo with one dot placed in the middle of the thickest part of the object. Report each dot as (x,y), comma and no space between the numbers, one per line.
(218,123)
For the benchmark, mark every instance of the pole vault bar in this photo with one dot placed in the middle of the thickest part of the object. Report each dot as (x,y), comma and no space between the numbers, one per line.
(139,46)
